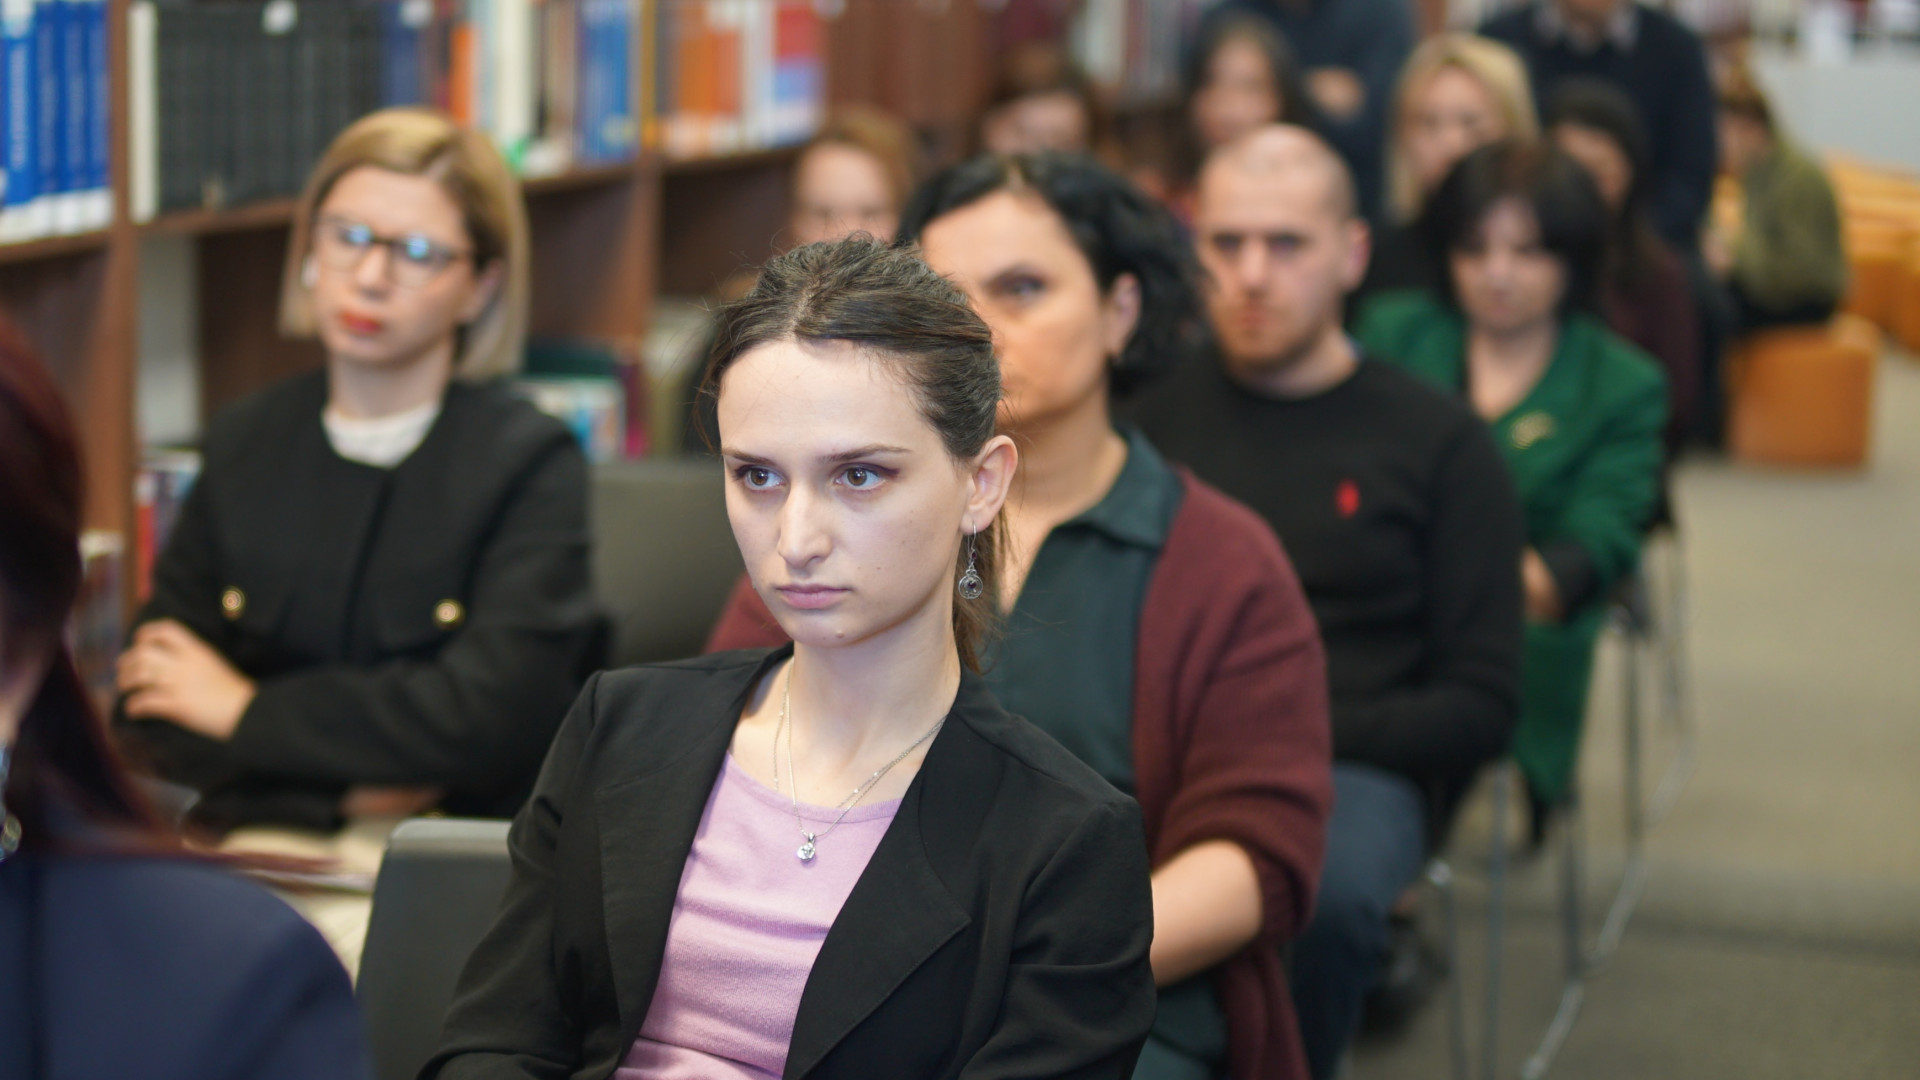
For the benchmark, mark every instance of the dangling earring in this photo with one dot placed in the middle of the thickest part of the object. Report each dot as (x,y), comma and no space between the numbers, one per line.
(9,825)
(971,585)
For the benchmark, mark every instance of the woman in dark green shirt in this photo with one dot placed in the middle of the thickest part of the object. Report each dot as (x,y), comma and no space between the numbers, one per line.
(1519,231)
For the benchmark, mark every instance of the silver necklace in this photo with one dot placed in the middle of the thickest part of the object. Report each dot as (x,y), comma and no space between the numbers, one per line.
(807,847)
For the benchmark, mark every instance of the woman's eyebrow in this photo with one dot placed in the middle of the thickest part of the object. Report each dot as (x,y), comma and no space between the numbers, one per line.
(875,450)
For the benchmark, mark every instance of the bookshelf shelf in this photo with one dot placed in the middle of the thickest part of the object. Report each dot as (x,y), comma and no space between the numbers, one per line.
(28,251)
(607,239)
(780,156)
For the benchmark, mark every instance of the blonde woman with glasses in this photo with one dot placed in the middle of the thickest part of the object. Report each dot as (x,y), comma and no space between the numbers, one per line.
(376,599)
(1458,92)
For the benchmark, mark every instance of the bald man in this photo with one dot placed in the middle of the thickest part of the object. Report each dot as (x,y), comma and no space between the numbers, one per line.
(1399,515)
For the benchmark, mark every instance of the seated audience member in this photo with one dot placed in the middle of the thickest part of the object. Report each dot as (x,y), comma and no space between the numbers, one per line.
(1645,297)
(1658,62)
(376,599)
(1240,76)
(1153,625)
(853,176)
(1788,265)
(120,955)
(1352,51)
(1042,101)
(1458,93)
(1577,411)
(838,857)
(1397,511)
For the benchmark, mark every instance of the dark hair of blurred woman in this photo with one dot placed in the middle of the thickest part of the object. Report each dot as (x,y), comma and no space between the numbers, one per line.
(1562,198)
(1117,228)
(60,754)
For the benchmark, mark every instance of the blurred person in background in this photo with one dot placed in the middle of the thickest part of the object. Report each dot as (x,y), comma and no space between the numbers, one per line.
(1644,298)
(854,175)
(376,600)
(1351,51)
(1659,63)
(1521,232)
(1042,101)
(1239,76)
(1787,266)
(1458,93)
(1397,510)
(120,954)
(1153,626)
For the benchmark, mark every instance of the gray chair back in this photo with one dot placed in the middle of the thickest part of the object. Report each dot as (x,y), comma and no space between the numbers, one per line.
(664,557)
(438,891)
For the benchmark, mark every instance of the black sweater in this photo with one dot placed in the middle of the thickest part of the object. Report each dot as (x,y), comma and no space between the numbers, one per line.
(1398,513)
(1665,73)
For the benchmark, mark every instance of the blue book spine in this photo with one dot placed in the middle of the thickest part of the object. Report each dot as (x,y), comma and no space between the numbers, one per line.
(401,77)
(75,144)
(624,131)
(587,58)
(23,174)
(51,98)
(99,128)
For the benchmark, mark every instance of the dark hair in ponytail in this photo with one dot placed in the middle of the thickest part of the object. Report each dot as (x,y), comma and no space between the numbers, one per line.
(894,307)
(61,754)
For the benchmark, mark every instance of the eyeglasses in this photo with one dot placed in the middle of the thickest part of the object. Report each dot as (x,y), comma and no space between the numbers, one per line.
(413,260)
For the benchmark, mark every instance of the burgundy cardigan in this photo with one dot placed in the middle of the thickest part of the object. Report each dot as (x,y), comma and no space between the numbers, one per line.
(1230,739)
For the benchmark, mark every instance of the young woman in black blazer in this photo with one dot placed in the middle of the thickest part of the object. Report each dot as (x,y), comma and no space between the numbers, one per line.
(671,910)
(377,597)
(120,955)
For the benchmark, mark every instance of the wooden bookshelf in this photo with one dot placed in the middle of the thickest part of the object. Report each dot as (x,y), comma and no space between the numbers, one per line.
(606,239)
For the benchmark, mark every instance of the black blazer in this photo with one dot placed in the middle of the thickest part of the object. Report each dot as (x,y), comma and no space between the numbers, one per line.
(425,624)
(1000,930)
(168,970)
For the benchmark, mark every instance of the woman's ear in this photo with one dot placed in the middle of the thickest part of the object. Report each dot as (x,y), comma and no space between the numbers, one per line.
(1120,314)
(993,470)
(485,288)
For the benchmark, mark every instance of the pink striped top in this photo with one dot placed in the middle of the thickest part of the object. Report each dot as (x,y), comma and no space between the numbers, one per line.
(748,921)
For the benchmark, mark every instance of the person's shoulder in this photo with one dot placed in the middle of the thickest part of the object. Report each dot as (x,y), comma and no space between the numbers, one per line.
(1402,405)
(671,699)
(1663,30)
(1396,322)
(1056,776)
(1218,552)
(1512,26)
(504,419)
(1621,370)
(262,419)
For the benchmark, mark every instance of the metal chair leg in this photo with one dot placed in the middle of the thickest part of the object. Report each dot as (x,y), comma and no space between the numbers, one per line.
(1671,629)
(1496,919)
(1573,990)
(1440,876)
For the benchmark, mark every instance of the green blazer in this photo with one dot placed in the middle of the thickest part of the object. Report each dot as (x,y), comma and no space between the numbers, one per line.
(1584,447)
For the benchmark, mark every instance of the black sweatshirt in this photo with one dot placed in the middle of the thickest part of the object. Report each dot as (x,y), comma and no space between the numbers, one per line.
(1398,513)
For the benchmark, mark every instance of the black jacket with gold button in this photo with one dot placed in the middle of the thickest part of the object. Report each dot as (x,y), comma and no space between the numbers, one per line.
(422,625)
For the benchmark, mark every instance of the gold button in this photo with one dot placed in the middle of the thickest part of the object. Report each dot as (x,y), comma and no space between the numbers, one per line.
(448,614)
(233,602)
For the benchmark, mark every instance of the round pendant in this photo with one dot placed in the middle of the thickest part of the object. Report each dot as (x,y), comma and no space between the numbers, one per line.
(806,851)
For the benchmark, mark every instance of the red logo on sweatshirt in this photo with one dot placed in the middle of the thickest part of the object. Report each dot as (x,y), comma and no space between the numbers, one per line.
(1346,498)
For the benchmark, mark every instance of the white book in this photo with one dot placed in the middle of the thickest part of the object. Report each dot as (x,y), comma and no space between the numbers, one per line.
(143,113)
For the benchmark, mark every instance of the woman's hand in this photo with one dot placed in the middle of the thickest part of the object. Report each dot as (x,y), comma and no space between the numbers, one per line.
(1543,593)
(170,674)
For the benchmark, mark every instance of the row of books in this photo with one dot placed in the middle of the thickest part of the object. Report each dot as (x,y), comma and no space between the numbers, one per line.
(233,102)
(54,156)
(736,75)
(1135,48)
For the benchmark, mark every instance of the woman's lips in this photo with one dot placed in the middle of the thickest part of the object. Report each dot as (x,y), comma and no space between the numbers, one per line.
(810,597)
(364,325)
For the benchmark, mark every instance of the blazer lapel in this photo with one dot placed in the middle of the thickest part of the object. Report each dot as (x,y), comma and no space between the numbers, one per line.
(646,828)
(897,916)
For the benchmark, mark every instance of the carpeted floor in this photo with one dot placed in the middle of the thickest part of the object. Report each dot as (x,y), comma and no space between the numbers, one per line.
(1780,933)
